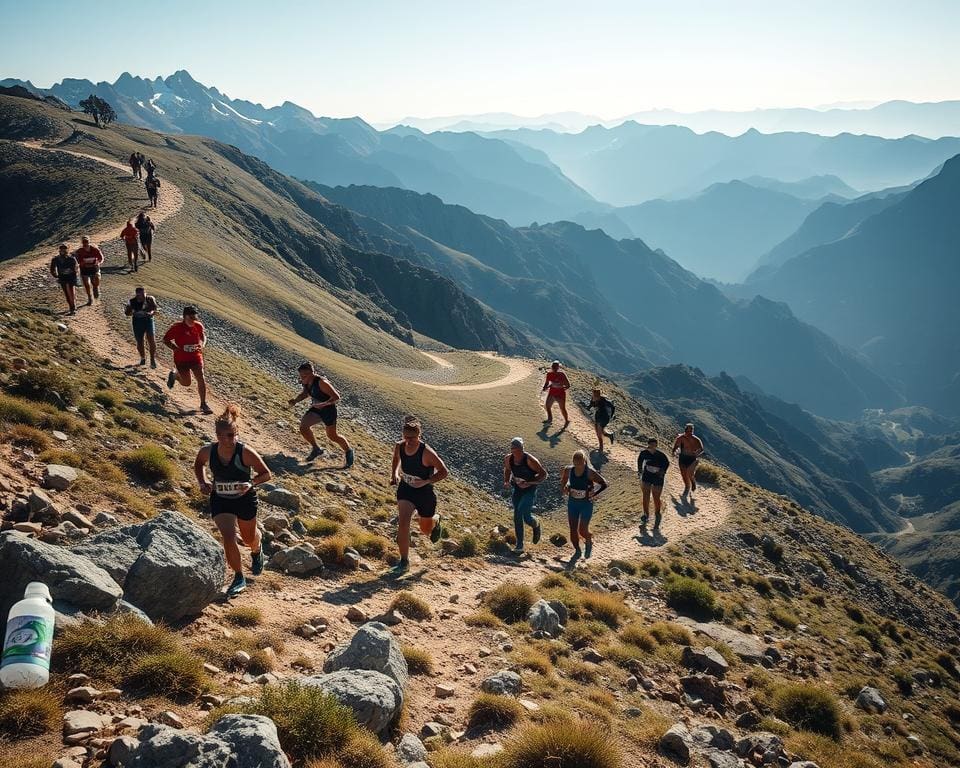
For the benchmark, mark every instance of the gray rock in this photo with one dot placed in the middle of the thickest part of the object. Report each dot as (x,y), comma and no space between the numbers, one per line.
(38,501)
(561,610)
(374,648)
(748,647)
(253,739)
(75,583)
(82,721)
(300,560)
(871,700)
(718,759)
(543,618)
(59,477)
(122,750)
(676,743)
(706,659)
(804,764)
(503,682)
(707,689)
(168,566)
(759,743)
(411,749)
(281,497)
(376,700)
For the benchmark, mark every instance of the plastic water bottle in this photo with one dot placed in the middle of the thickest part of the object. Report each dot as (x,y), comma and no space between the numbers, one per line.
(29,639)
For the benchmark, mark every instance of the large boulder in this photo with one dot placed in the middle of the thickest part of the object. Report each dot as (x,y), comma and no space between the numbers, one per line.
(705,659)
(375,698)
(676,743)
(748,647)
(281,497)
(503,682)
(76,583)
(374,648)
(168,566)
(871,700)
(59,477)
(234,741)
(542,617)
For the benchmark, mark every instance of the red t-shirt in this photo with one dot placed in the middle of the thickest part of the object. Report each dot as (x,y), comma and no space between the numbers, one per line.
(130,233)
(188,339)
(90,258)
(557,380)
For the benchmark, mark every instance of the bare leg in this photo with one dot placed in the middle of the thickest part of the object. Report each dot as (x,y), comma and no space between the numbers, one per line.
(227,525)
(201,386)
(563,409)
(584,531)
(599,430)
(140,347)
(95,280)
(71,296)
(574,530)
(657,490)
(645,490)
(152,342)
(306,427)
(426,524)
(86,287)
(334,437)
(183,377)
(250,534)
(405,510)
(548,407)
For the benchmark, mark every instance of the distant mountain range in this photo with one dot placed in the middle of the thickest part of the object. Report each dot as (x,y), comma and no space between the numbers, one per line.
(512,182)
(892,119)
(633,163)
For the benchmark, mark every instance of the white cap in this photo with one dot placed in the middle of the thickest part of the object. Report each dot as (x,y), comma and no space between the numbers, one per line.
(37,589)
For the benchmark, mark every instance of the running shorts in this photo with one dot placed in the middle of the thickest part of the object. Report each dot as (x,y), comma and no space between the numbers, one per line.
(423,499)
(327,414)
(244,507)
(579,510)
(143,326)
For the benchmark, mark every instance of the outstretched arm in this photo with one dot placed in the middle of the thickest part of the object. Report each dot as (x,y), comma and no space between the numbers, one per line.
(253,459)
(564,476)
(506,471)
(203,458)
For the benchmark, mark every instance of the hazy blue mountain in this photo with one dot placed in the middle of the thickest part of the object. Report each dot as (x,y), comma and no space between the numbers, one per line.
(812,188)
(889,289)
(721,232)
(517,183)
(633,163)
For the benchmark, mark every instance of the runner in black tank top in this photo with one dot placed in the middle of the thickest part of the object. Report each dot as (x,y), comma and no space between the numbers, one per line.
(416,467)
(323,409)
(523,473)
(236,469)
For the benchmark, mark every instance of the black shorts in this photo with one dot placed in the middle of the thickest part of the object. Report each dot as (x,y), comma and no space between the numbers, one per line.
(327,414)
(601,419)
(146,240)
(244,507)
(656,481)
(71,280)
(90,271)
(687,459)
(423,499)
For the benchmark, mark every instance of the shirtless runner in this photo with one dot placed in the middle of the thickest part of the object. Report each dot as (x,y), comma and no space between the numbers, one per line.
(689,447)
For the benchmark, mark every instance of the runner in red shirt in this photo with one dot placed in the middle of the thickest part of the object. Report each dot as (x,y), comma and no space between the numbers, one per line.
(131,236)
(187,340)
(89,257)
(556,386)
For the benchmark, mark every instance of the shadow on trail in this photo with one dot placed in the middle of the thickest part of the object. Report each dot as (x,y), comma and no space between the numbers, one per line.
(650,537)
(684,505)
(351,594)
(598,459)
(293,465)
(554,439)
(508,560)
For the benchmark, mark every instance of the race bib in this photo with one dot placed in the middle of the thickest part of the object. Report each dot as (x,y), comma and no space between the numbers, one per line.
(651,469)
(410,479)
(229,489)
(191,347)
(576,493)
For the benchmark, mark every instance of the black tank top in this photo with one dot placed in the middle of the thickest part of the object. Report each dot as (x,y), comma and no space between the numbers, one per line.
(317,394)
(522,471)
(233,471)
(413,465)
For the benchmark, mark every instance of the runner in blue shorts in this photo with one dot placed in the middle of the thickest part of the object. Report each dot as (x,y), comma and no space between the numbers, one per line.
(524,473)
(142,309)
(581,484)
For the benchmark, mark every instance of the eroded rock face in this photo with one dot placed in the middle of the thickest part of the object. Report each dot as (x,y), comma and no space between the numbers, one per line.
(375,698)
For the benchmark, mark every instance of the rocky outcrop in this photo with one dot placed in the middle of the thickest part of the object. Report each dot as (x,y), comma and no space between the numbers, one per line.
(375,698)
(374,648)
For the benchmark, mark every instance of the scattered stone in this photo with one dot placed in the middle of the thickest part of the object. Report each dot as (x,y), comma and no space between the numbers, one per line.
(28,528)
(78,679)
(444,690)
(748,647)
(592,655)
(298,560)
(276,523)
(241,659)
(483,652)
(544,619)
(59,477)
(871,700)
(354,614)
(81,721)
(503,682)
(706,659)
(306,631)
(410,749)
(372,647)
(122,750)
(530,706)
(63,437)
(487,750)
(81,695)
(632,683)
(168,717)
(211,669)
(281,497)
(676,742)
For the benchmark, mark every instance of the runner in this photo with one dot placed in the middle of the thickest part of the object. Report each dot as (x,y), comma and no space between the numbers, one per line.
(135,165)
(153,189)
(142,309)
(556,385)
(187,340)
(690,447)
(323,408)
(146,228)
(64,267)
(415,469)
(131,237)
(89,258)
(652,464)
(577,483)
(150,167)
(603,412)
(524,472)
(237,470)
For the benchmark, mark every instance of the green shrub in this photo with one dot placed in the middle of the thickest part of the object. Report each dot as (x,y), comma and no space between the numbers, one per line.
(855,613)
(469,546)
(244,616)
(13,410)
(108,398)
(638,635)
(668,633)
(47,384)
(28,437)
(369,544)
(510,601)
(872,635)
(323,527)
(364,751)
(584,631)
(785,618)
(491,710)
(535,661)
(260,662)
(148,463)
(27,713)
(808,708)
(554,581)
(176,675)
(772,550)
(419,660)
(410,606)
(707,473)
(454,758)
(559,745)
(690,596)
(109,650)
(624,565)
(482,618)
(332,548)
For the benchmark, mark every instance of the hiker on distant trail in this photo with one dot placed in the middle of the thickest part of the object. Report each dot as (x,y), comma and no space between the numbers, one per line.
(131,238)
(142,309)
(153,189)
(141,159)
(89,258)
(524,473)
(64,267)
(652,464)
(136,166)
(323,408)
(237,470)
(145,228)
(556,385)
(603,411)
(150,167)
(578,482)
(690,447)
(415,469)
(187,340)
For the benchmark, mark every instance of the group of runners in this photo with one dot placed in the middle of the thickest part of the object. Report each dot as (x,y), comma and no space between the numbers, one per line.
(139,164)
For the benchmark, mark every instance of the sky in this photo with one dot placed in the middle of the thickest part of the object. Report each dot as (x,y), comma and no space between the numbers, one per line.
(387,60)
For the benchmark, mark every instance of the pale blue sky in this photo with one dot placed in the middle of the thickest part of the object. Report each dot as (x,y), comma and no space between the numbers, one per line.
(385,60)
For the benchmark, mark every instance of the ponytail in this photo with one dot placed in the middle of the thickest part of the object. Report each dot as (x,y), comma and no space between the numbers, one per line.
(229,418)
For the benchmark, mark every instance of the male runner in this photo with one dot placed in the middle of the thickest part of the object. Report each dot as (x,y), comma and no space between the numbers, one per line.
(64,267)
(89,257)
(524,472)
(142,308)
(323,408)
(131,238)
(690,447)
(187,340)
(415,469)
(652,464)
(556,385)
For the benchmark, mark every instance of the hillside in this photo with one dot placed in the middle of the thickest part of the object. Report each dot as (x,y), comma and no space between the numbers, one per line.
(885,286)
(484,174)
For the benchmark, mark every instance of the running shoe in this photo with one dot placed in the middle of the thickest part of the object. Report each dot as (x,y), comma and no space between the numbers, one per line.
(204,408)
(588,549)
(437,531)
(576,556)
(237,585)
(693,483)
(517,551)
(643,520)
(143,361)
(89,302)
(657,520)
(96,293)
(171,379)
(257,558)
(153,363)
(316,453)
(349,459)
(400,568)
(72,312)
(537,532)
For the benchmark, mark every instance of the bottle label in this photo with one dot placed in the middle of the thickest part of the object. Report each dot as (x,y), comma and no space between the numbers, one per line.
(29,641)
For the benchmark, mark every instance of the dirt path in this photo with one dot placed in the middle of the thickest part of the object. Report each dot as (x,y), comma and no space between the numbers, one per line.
(517,370)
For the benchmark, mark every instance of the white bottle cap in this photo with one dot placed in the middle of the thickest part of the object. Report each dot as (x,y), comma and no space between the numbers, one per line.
(37,589)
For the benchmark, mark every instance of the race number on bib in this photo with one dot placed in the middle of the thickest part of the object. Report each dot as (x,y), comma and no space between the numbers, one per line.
(230,489)
(410,479)
(191,347)
(576,493)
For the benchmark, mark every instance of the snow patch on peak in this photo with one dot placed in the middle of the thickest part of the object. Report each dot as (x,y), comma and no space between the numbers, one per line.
(242,117)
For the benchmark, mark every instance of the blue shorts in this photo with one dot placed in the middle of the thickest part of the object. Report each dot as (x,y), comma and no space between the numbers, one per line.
(143,326)
(579,510)
(523,500)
